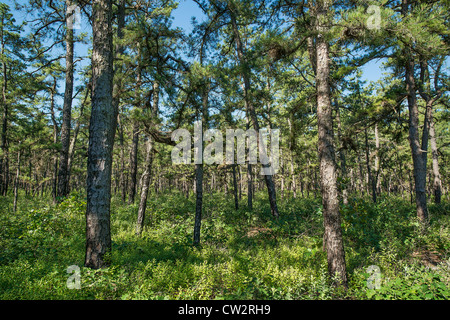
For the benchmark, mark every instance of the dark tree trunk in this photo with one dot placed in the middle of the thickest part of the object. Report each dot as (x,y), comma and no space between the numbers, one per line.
(249,182)
(4,159)
(331,216)
(370,180)
(235,187)
(16,182)
(63,173)
(135,141)
(101,139)
(198,202)
(199,166)
(419,166)
(75,135)
(428,127)
(133,163)
(344,188)
(146,179)
(437,183)
(117,89)
(252,112)
(55,140)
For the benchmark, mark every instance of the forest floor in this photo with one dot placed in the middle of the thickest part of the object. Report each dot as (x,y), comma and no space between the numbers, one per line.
(243,254)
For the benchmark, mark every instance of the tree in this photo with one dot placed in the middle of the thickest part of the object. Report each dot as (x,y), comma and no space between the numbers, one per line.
(245,73)
(101,139)
(331,217)
(63,172)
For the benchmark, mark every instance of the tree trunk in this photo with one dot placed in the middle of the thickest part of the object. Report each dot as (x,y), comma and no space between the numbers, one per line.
(16,182)
(4,159)
(63,173)
(344,191)
(101,139)
(146,178)
(117,90)
(75,135)
(331,217)
(249,181)
(55,140)
(370,180)
(145,186)
(419,167)
(235,187)
(377,179)
(437,183)
(428,127)
(198,202)
(252,112)
(135,140)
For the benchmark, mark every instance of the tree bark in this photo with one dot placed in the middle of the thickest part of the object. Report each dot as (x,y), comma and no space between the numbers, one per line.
(344,191)
(55,140)
(370,180)
(101,139)
(251,110)
(63,173)
(198,202)
(117,90)
(377,161)
(73,141)
(249,182)
(135,139)
(146,178)
(16,182)
(235,187)
(331,216)
(437,183)
(428,127)
(4,160)
(419,166)
(199,166)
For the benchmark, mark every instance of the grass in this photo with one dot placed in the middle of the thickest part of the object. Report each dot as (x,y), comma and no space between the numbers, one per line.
(243,254)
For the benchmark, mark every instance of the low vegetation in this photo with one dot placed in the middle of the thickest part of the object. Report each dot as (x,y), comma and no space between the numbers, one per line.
(243,254)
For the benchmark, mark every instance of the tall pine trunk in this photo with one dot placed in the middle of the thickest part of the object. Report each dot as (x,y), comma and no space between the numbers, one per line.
(419,166)
(135,139)
(63,173)
(101,139)
(245,73)
(146,178)
(199,166)
(117,90)
(331,216)
(4,159)
(343,167)
(55,140)
(16,181)
(437,183)
(198,202)
(249,181)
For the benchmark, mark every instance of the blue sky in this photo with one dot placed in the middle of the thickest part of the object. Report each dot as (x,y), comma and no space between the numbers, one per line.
(182,18)
(188,8)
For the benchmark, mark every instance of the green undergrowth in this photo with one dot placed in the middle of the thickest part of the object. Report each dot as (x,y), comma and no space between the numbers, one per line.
(243,254)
